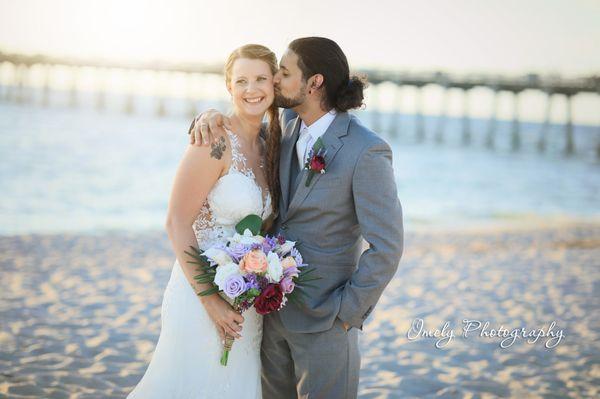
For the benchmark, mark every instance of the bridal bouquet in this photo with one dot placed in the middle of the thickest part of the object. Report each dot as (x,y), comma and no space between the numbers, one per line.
(253,270)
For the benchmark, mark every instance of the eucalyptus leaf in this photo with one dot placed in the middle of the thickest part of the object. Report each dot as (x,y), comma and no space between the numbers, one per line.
(250,222)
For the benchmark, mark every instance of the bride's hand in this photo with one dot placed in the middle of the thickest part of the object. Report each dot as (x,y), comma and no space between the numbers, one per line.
(227,320)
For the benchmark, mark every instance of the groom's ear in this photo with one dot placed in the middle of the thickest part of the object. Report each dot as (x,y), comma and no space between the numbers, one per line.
(317,81)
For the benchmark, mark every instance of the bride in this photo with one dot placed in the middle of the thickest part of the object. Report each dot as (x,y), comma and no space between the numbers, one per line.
(214,188)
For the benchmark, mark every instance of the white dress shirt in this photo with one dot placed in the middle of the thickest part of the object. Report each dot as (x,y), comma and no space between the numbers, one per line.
(310,134)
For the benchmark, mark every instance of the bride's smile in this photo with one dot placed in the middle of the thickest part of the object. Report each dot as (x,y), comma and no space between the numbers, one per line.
(251,87)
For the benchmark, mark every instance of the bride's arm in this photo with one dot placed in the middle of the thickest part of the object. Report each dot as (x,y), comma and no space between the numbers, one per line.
(197,173)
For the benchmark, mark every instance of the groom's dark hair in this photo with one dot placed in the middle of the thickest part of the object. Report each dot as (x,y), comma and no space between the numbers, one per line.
(319,55)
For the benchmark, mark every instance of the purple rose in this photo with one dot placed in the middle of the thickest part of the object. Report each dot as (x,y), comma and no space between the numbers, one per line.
(291,272)
(237,251)
(287,284)
(235,286)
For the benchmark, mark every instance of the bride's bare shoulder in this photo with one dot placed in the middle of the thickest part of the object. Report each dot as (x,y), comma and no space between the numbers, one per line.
(219,149)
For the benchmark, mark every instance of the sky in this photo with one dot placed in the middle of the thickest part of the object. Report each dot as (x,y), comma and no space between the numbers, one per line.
(489,36)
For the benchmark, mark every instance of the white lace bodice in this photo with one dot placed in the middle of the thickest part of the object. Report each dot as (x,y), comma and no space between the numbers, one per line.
(235,196)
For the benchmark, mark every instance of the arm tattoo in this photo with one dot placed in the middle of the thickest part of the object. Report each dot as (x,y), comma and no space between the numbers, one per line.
(218,148)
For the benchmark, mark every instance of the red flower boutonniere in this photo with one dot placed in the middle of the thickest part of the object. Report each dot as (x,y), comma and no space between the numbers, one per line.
(315,163)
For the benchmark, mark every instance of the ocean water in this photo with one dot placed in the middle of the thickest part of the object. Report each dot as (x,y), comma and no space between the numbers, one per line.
(68,169)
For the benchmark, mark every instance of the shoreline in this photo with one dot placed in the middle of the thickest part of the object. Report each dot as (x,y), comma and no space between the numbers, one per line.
(529,224)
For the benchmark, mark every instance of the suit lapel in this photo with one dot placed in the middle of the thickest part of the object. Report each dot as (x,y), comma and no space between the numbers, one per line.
(285,163)
(332,143)
(295,177)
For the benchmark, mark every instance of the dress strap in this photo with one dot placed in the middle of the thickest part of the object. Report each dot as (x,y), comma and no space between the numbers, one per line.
(238,159)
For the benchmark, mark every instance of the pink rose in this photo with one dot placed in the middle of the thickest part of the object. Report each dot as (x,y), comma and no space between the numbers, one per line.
(288,262)
(254,261)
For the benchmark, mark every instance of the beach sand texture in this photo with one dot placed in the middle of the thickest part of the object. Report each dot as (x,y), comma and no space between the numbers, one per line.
(80,314)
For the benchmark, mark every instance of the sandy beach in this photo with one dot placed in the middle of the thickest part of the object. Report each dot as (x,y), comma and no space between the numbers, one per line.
(80,314)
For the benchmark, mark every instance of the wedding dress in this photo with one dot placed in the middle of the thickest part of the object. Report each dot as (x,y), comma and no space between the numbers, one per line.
(185,363)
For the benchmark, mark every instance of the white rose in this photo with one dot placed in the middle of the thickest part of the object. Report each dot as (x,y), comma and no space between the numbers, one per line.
(287,247)
(224,272)
(218,256)
(274,270)
(247,238)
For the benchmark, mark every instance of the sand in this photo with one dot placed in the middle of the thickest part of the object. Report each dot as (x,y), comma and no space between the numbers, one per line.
(80,314)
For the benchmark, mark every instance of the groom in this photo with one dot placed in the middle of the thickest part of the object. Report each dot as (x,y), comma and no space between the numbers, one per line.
(311,351)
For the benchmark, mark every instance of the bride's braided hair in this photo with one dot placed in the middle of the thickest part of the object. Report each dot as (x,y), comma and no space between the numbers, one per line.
(273,134)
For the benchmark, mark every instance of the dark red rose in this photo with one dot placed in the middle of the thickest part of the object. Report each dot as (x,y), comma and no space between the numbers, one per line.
(269,300)
(317,163)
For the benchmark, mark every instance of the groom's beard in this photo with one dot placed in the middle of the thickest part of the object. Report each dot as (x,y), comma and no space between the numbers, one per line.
(285,102)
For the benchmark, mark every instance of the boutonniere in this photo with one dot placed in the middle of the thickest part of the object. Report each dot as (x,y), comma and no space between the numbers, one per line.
(315,163)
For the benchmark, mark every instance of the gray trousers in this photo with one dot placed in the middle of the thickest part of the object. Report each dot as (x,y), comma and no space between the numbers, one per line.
(323,365)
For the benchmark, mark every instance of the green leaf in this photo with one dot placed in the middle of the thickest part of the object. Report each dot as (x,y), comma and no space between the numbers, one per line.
(250,222)
(304,275)
(209,291)
(293,299)
(191,262)
(307,278)
(304,285)
(304,271)
(298,291)
(309,178)
(318,145)
(204,279)
(197,256)
(297,296)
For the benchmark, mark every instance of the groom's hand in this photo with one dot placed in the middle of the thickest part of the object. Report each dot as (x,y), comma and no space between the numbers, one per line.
(346,326)
(207,126)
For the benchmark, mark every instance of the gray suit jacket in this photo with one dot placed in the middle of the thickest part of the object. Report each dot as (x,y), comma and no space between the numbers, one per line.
(356,198)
